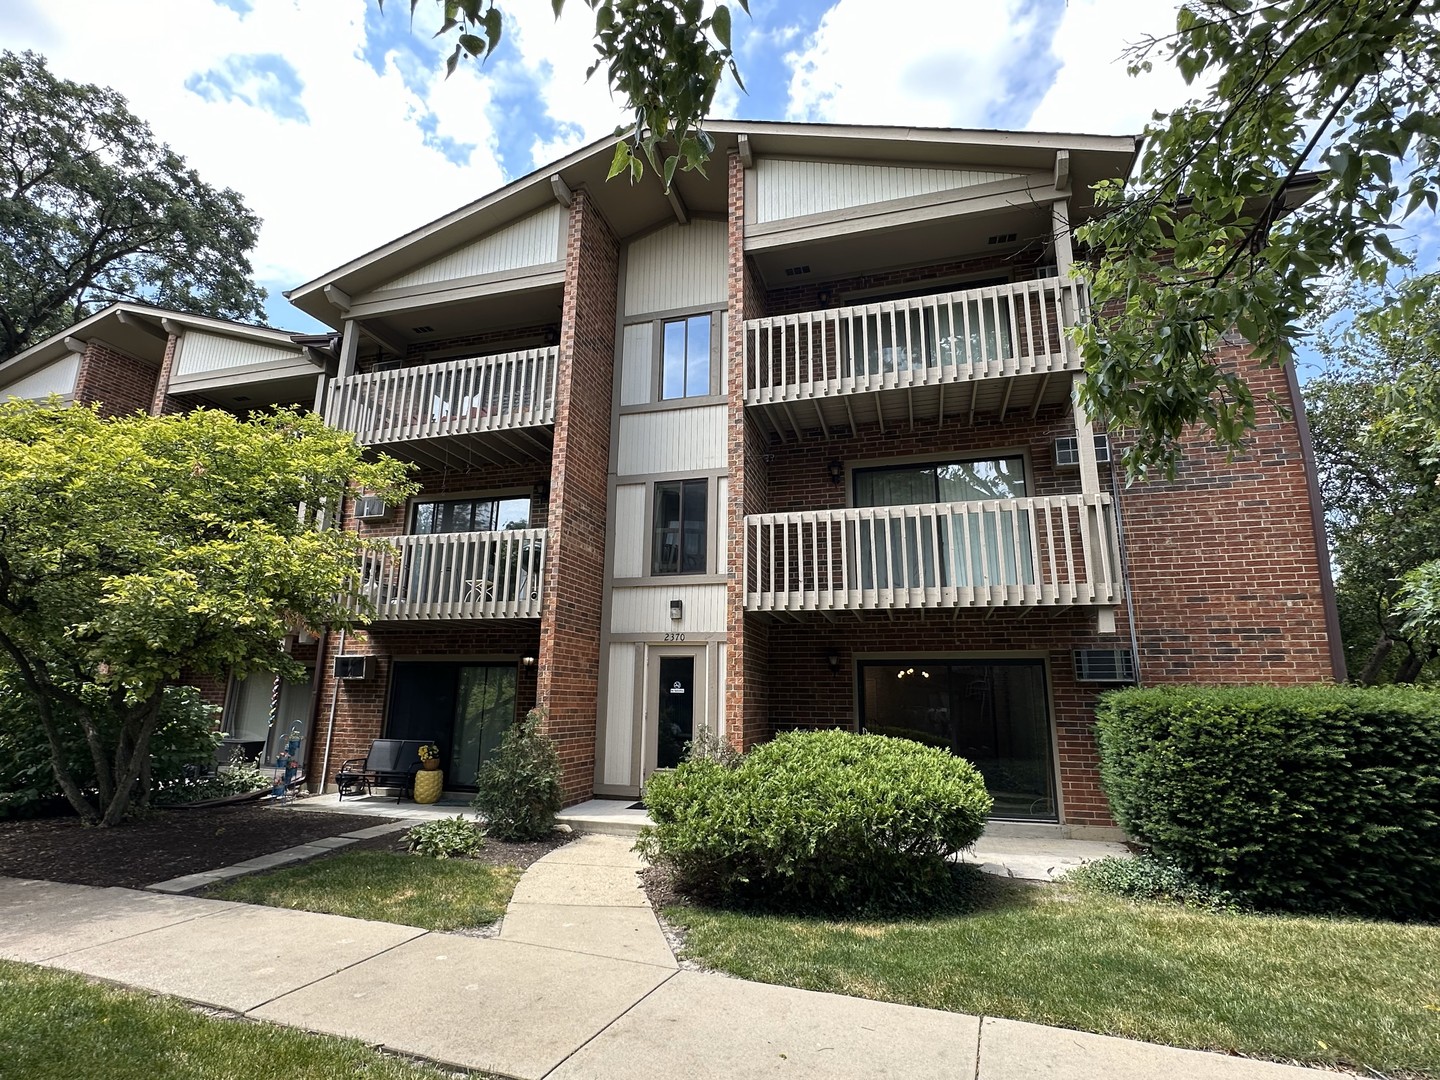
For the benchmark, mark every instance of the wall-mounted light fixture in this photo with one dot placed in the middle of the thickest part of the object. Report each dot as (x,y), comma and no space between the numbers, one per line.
(824,297)
(677,609)
(836,469)
(833,659)
(528,661)
(542,490)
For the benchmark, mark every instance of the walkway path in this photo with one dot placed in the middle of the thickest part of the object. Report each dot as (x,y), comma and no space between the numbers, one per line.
(579,984)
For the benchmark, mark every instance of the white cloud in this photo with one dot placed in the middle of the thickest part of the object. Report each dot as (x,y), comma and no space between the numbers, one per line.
(923,62)
(1093,93)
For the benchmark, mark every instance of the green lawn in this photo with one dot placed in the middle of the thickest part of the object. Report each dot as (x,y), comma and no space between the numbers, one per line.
(57,1026)
(1316,990)
(437,894)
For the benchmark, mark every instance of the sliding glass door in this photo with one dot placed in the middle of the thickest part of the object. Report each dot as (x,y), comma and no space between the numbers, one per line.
(465,708)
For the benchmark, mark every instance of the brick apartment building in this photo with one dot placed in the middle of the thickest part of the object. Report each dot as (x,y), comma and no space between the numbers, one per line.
(791,446)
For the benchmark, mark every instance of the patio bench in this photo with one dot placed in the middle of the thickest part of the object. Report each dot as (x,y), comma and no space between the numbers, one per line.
(390,763)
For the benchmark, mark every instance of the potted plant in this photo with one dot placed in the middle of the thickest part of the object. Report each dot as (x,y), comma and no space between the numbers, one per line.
(429,781)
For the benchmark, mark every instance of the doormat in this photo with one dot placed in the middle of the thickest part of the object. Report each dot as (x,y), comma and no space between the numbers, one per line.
(636,806)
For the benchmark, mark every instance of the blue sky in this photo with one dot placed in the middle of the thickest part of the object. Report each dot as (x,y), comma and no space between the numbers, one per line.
(334,119)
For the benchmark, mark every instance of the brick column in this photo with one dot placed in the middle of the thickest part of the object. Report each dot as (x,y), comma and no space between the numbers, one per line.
(746,639)
(569,661)
(162,382)
(119,383)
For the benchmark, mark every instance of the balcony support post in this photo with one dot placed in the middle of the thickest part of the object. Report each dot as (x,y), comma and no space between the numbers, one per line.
(349,349)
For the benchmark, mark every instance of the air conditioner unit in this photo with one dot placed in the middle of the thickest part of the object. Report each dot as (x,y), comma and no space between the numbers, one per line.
(370,508)
(352,667)
(1104,665)
(1067,451)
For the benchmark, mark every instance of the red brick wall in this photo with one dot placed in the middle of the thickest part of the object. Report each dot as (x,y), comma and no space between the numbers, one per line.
(159,402)
(360,706)
(436,483)
(575,555)
(480,343)
(1224,573)
(122,384)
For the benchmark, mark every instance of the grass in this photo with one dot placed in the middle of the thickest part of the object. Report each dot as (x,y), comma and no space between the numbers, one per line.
(437,894)
(1364,994)
(57,1026)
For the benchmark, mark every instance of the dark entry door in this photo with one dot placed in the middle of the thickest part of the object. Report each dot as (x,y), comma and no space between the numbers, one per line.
(676,710)
(465,708)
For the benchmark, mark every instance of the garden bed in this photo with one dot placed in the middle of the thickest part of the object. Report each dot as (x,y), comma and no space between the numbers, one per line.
(161,845)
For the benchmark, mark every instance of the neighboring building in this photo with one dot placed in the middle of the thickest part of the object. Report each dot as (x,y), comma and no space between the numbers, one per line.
(791,446)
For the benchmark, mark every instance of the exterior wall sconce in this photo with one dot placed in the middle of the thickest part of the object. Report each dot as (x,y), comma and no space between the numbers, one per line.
(677,609)
(833,659)
(836,468)
(542,491)
(528,661)
(824,297)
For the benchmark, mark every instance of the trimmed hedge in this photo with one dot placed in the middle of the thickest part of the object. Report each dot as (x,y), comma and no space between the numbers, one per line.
(1314,798)
(817,820)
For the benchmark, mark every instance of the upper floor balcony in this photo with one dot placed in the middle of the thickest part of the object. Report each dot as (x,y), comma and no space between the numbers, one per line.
(456,412)
(475,575)
(983,350)
(1050,551)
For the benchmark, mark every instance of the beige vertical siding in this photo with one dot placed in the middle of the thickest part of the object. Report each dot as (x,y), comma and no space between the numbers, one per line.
(637,363)
(629,530)
(621,715)
(680,266)
(788,189)
(57,377)
(721,689)
(645,609)
(202,353)
(677,440)
(722,525)
(532,241)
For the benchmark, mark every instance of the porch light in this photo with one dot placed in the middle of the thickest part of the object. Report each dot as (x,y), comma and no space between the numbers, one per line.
(528,661)
(836,469)
(833,659)
(677,609)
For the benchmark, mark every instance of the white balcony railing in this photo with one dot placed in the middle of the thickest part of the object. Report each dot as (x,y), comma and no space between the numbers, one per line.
(456,397)
(1055,550)
(998,331)
(478,575)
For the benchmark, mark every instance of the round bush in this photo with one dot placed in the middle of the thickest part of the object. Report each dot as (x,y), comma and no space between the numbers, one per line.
(823,820)
(445,838)
(1319,798)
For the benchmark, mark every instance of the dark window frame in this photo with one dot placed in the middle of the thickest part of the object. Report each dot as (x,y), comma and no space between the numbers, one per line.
(704,387)
(682,527)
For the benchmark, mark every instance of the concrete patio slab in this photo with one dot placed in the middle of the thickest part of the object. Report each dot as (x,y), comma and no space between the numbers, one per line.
(699,1026)
(596,849)
(608,816)
(239,957)
(386,806)
(478,1004)
(1011,1050)
(43,919)
(571,883)
(1037,858)
(625,933)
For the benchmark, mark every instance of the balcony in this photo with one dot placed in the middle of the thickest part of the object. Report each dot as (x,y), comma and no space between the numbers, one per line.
(480,575)
(958,354)
(456,413)
(1040,552)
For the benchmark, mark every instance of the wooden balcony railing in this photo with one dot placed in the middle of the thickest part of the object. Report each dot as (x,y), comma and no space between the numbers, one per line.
(478,575)
(1055,550)
(998,331)
(456,397)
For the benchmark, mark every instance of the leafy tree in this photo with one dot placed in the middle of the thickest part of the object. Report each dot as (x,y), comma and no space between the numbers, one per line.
(93,209)
(1208,236)
(665,57)
(133,548)
(1377,476)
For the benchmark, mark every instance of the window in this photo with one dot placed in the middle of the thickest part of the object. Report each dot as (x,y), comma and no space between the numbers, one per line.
(680,517)
(965,547)
(487,514)
(685,361)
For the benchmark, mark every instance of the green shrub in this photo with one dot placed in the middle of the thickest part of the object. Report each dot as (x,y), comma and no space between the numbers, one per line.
(1144,877)
(518,790)
(445,838)
(823,820)
(1320,798)
(240,777)
(184,736)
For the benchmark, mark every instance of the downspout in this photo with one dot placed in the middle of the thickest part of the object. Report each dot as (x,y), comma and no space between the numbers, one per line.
(1124,566)
(330,727)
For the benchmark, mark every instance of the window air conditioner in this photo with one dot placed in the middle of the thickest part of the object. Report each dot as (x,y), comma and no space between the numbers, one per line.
(1067,451)
(352,667)
(370,508)
(1104,665)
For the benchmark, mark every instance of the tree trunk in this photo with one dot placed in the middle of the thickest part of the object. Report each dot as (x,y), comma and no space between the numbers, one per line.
(1378,655)
(127,781)
(71,790)
(1414,664)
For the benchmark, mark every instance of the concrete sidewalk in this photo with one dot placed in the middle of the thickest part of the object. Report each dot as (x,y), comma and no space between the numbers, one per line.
(579,984)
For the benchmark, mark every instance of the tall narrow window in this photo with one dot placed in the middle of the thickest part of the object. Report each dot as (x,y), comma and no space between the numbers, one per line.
(680,519)
(685,371)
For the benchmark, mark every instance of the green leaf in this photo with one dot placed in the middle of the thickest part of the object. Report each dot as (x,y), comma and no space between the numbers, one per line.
(620,160)
(720,23)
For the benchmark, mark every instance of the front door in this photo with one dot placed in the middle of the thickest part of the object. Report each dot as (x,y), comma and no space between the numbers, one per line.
(675,706)
(465,708)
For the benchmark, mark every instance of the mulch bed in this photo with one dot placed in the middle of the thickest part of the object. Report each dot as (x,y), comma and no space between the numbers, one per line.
(494,853)
(164,844)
